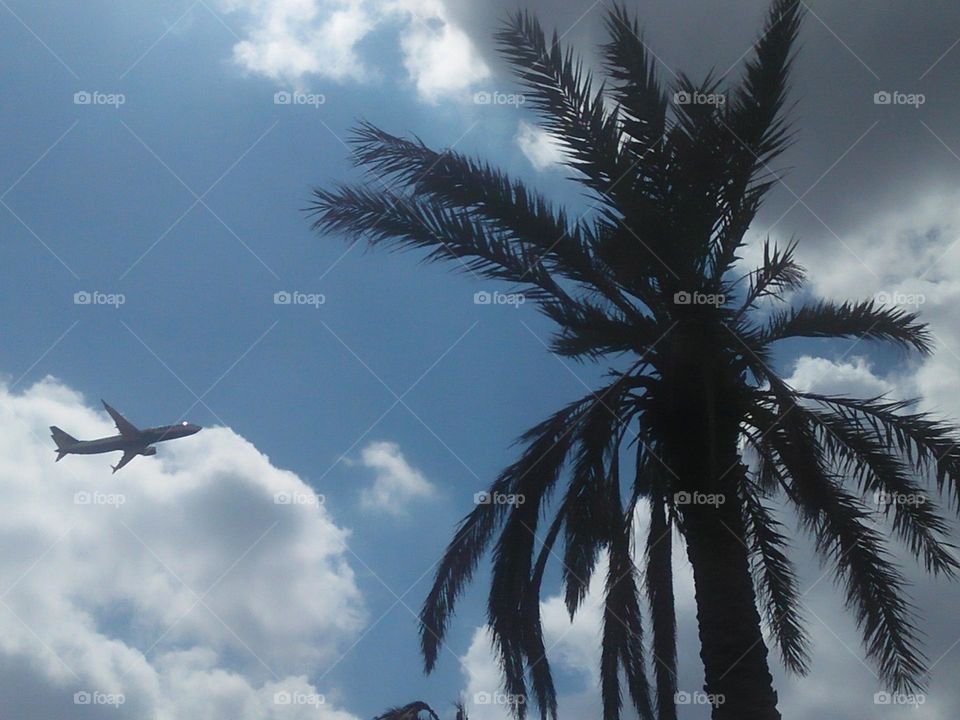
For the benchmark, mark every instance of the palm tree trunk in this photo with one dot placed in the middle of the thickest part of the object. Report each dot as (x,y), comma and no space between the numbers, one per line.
(732,649)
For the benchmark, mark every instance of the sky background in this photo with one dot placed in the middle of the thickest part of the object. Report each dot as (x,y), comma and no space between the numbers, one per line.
(382,411)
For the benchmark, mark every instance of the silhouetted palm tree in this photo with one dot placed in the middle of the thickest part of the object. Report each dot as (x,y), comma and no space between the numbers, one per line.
(653,276)
(416,711)
(412,711)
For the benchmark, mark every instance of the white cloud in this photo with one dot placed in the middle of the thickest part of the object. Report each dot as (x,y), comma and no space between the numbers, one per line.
(183,585)
(827,377)
(289,40)
(542,150)
(913,255)
(397,483)
(439,56)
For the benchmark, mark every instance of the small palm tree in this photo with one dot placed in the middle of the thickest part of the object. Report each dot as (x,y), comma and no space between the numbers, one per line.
(718,436)
(416,711)
(411,711)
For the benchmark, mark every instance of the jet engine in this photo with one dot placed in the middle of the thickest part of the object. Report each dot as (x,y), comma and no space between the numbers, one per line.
(149,451)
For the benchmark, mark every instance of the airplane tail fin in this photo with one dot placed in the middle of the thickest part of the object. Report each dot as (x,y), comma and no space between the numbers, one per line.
(63,440)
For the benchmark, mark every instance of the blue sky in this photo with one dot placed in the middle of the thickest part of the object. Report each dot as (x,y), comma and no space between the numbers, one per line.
(187,201)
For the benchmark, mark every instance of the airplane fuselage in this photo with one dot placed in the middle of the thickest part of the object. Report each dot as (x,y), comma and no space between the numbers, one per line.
(147,437)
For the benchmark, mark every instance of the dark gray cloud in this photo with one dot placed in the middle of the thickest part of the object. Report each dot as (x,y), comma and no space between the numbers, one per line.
(872,154)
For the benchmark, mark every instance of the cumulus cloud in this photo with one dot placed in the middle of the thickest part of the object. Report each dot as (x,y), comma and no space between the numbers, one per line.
(542,149)
(287,39)
(396,484)
(290,40)
(438,55)
(908,256)
(828,377)
(180,583)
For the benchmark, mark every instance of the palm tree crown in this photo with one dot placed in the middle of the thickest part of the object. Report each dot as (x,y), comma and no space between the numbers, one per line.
(653,275)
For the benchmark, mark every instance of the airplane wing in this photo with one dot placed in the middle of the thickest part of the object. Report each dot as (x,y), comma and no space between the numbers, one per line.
(128,455)
(126,428)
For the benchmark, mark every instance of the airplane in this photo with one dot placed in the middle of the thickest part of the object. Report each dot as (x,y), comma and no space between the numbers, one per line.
(131,440)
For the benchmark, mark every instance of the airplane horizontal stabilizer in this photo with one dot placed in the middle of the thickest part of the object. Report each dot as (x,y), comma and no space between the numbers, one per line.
(62,439)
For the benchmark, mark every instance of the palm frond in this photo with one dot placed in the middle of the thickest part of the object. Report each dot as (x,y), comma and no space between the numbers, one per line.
(547,446)
(635,86)
(462,183)
(858,452)
(364,213)
(538,665)
(622,634)
(756,123)
(929,445)
(864,319)
(587,331)
(587,500)
(756,112)
(840,526)
(778,273)
(659,585)
(561,91)
(776,580)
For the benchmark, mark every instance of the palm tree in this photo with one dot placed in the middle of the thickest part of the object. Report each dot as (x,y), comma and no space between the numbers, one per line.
(720,440)
(411,711)
(416,710)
